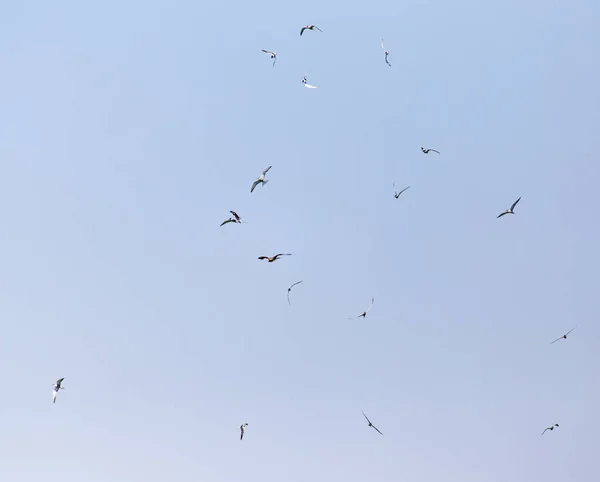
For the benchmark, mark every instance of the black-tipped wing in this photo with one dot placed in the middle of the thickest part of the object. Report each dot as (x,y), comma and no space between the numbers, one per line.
(263,257)
(254,184)
(398,194)
(228,221)
(282,254)
(302,31)
(59,381)
(545,431)
(376,429)
(514,204)
(501,214)
(264,171)
(367,419)
(314,26)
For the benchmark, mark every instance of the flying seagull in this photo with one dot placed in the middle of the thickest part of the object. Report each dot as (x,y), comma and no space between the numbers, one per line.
(272,54)
(397,194)
(234,219)
(307,85)
(364,313)
(261,179)
(242,430)
(386,53)
(426,151)
(290,289)
(309,27)
(370,424)
(564,336)
(509,211)
(56,388)
(550,428)
(274,258)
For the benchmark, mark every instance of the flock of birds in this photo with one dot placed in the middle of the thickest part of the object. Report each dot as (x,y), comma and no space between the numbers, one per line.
(261,180)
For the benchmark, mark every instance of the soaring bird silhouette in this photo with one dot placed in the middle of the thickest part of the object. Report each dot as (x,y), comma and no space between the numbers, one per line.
(427,151)
(370,424)
(56,388)
(274,258)
(386,53)
(550,428)
(272,54)
(509,211)
(364,313)
(309,27)
(397,194)
(563,337)
(261,179)
(307,85)
(242,430)
(234,219)
(290,289)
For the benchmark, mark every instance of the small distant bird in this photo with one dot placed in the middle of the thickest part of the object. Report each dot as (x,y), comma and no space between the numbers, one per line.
(370,424)
(386,53)
(261,179)
(364,313)
(56,388)
(242,430)
(307,85)
(397,194)
(290,289)
(426,151)
(274,258)
(309,27)
(564,336)
(550,428)
(509,211)
(234,219)
(272,54)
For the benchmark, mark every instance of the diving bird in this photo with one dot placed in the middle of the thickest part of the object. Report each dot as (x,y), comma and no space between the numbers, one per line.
(242,430)
(550,428)
(364,313)
(274,258)
(261,179)
(564,336)
(290,289)
(397,194)
(272,54)
(56,388)
(426,151)
(309,27)
(307,85)
(386,53)
(509,211)
(370,424)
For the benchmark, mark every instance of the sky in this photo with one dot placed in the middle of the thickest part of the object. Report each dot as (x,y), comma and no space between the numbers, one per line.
(128,130)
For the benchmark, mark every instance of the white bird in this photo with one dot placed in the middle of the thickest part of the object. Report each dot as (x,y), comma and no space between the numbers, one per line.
(511,210)
(309,27)
(56,388)
(272,54)
(386,53)
(261,179)
(307,85)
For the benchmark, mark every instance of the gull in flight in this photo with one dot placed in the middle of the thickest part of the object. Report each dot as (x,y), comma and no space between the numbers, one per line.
(509,211)
(309,27)
(364,313)
(370,424)
(426,151)
(550,428)
(261,179)
(56,388)
(242,430)
(272,54)
(290,289)
(397,194)
(234,219)
(564,336)
(307,85)
(386,53)
(274,258)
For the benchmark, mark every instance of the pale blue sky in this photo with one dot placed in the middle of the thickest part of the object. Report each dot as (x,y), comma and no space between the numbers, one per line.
(128,131)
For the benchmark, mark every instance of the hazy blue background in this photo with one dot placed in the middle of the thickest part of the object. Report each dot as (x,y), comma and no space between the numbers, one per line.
(129,129)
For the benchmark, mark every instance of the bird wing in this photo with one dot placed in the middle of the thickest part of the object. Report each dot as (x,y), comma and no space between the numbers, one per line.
(501,214)
(366,418)
(281,254)
(264,171)
(382,47)
(296,283)
(58,382)
(254,184)
(235,215)
(267,52)
(403,190)
(514,204)
(302,31)
(308,86)
(274,60)
(54,396)
(559,338)
(263,257)
(545,431)
(371,305)
(569,331)
(376,429)
(317,28)
(433,150)
(242,433)
(228,221)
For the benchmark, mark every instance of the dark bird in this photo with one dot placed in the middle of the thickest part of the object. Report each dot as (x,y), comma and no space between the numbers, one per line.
(234,219)
(290,289)
(550,428)
(386,53)
(274,258)
(509,211)
(261,179)
(56,388)
(309,27)
(242,430)
(426,151)
(397,194)
(272,54)
(564,336)
(370,424)
(364,313)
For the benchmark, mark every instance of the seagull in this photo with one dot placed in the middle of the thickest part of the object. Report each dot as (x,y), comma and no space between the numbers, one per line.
(261,179)
(290,289)
(234,219)
(370,424)
(364,313)
(274,258)
(272,54)
(564,336)
(307,85)
(550,428)
(242,430)
(56,388)
(426,151)
(397,194)
(509,211)
(309,27)
(386,53)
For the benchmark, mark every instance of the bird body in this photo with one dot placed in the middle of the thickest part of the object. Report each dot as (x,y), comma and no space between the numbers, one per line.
(550,428)
(270,259)
(510,210)
(427,151)
(242,430)
(309,27)
(272,54)
(260,179)
(55,389)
